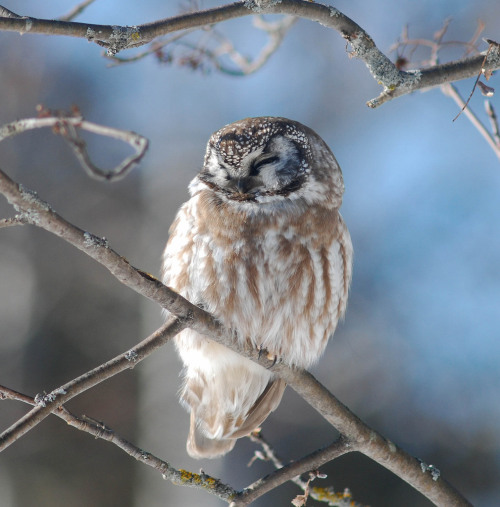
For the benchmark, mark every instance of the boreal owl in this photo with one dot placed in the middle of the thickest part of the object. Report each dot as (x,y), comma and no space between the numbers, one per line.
(262,246)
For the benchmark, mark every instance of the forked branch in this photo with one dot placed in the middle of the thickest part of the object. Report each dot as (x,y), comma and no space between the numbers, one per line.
(100,430)
(68,125)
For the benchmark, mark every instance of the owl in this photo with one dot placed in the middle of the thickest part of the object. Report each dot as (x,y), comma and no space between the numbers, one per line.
(260,245)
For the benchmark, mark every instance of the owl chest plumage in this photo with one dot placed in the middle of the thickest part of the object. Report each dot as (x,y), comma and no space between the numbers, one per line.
(278,276)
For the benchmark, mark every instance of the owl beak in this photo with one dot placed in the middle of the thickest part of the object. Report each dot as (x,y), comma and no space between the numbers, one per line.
(242,185)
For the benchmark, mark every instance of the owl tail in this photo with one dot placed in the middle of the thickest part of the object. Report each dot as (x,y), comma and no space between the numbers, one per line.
(200,445)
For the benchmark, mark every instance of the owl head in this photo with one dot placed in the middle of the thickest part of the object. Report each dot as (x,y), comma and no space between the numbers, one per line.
(270,160)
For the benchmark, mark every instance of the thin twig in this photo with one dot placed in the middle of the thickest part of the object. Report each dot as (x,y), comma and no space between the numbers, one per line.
(99,430)
(276,32)
(10,222)
(466,103)
(245,66)
(78,9)
(490,111)
(306,464)
(6,13)
(450,90)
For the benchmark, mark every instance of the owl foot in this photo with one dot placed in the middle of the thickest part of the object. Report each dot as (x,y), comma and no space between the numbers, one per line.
(268,355)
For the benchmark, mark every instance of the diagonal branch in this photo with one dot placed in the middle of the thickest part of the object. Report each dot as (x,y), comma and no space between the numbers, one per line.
(450,90)
(360,436)
(99,430)
(47,403)
(75,11)
(395,82)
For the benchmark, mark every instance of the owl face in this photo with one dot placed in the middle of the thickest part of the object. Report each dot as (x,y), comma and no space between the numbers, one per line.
(264,160)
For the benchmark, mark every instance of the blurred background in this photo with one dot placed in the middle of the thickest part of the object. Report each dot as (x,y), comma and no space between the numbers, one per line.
(417,356)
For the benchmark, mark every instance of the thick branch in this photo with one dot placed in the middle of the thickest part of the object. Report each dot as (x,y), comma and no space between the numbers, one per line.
(395,82)
(444,73)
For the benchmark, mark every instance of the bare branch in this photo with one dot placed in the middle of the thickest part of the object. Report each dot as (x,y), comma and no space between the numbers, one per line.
(276,32)
(66,125)
(47,403)
(6,13)
(293,471)
(395,82)
(99,430)
(490,111)
(475,82)
(450,90)
(10,222)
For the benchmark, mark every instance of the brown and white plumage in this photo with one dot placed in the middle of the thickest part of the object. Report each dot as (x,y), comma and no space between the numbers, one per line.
(261,245)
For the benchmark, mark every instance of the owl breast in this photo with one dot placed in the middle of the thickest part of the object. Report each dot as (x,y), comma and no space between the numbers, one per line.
(279,277)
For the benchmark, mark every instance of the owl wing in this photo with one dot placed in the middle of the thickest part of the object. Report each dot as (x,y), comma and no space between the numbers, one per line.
(266,403)
(177,256)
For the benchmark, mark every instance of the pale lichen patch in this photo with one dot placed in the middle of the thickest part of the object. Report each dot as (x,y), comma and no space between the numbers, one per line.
(334,13)
(435,472)
(92,241)
(121,38)
(260,5)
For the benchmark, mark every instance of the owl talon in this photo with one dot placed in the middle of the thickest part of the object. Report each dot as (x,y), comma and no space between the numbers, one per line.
(268,355)
(273,358)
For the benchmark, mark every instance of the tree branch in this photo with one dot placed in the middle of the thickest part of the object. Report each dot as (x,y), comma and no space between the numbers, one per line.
(67,126)
(449,90)
(99,430)
(394,81)
(47,403)
(293,471)
(360,436)
(78,9)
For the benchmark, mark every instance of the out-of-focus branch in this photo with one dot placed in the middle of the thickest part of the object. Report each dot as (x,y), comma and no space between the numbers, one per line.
(214,46)
(78,9)
(490,111)
(99,430)
(437,45)
(395,82)
(68,125)
(450,90)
